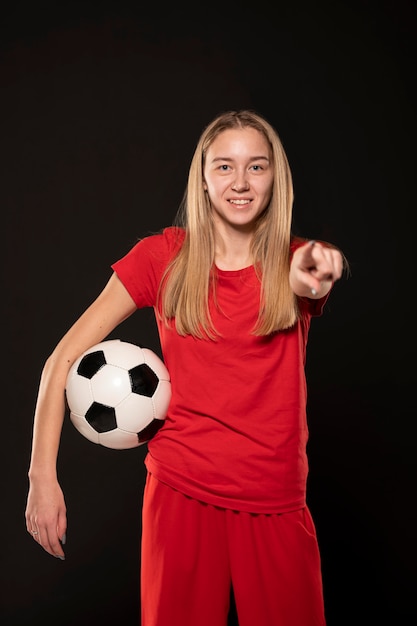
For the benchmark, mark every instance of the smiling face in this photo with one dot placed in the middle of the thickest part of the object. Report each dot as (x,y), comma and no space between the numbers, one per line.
(238,177)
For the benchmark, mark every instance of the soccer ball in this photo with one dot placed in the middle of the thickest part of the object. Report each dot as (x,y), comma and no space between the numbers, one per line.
(118,394)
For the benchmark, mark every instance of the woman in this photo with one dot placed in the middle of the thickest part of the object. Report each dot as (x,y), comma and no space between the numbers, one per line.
(233,293)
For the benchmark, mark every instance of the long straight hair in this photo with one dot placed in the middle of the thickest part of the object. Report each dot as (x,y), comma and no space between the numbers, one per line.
(189,279)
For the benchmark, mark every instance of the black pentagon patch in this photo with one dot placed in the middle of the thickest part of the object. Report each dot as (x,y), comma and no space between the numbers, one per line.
(144,380)
(102,418)
(91,364)
(149,431)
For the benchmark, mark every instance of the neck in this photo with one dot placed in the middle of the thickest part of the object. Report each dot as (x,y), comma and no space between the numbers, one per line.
(233,253)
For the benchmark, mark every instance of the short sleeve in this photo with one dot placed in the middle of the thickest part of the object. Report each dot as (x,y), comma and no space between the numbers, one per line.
(143,267)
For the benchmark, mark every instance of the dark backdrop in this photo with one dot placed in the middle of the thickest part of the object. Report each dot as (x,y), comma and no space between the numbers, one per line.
(100,112)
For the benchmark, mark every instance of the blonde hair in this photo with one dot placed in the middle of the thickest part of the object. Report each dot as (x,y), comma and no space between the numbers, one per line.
(189,279)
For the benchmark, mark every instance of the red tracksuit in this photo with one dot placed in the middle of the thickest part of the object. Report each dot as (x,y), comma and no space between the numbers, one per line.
(226,503)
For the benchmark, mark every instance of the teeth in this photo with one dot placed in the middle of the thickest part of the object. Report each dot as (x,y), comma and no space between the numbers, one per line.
(239,201)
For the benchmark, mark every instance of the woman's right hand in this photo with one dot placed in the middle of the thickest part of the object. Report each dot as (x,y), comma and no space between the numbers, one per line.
(46,516)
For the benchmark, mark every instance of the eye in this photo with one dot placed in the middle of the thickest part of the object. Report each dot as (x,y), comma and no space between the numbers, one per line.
(257,168)
(224,167)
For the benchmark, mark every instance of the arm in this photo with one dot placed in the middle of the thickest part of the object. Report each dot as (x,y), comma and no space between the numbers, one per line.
(45,511)
(314,268)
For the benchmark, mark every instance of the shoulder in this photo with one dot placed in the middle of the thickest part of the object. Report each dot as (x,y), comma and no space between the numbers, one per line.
(165,243)
(156,249)
(173,237)
(297,242)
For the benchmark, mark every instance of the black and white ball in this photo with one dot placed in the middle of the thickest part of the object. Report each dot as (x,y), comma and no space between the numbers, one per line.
(118,394)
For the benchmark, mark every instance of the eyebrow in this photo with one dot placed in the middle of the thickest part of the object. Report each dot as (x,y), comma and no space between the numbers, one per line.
(254,158)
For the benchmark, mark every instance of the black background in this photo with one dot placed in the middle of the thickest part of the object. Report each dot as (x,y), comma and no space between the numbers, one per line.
(101,107)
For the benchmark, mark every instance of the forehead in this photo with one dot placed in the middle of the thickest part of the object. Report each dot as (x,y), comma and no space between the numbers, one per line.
(239,142)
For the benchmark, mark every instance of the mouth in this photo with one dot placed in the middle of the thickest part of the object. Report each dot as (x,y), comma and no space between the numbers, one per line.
(239,202)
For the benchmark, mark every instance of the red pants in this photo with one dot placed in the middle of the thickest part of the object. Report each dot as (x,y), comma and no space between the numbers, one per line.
(193,552)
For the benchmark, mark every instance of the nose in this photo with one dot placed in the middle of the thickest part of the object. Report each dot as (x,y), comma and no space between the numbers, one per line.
(240,184)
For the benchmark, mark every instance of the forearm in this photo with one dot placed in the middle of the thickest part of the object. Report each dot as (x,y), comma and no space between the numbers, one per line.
(48,421)
(315,290)
(112,306)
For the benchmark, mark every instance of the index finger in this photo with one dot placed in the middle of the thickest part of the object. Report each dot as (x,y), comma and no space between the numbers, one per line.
(49,540)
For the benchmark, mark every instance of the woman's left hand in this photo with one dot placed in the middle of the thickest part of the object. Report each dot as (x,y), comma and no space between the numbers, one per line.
(314,269)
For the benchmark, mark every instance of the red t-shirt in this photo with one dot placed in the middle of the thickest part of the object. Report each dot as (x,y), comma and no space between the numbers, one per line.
(236,431)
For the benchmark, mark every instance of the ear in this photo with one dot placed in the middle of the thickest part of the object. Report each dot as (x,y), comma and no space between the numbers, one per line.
(204,185)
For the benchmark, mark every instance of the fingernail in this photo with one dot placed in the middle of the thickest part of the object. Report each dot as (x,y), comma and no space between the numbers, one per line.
(64,539)
(314,292)
(58,556)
